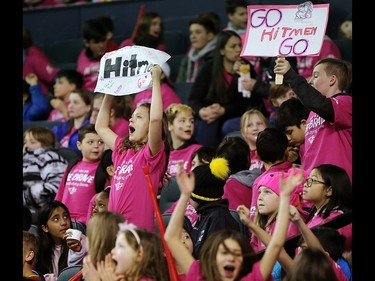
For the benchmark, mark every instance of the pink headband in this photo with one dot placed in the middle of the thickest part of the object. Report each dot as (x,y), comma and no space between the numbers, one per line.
(131,227)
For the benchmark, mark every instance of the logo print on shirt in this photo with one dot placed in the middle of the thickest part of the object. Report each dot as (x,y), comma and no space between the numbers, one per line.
(72,190)
(118,185)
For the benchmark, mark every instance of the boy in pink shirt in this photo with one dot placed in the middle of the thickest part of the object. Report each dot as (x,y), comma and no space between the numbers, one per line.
(181,128)
(88,62)
(79,183)
(328,135)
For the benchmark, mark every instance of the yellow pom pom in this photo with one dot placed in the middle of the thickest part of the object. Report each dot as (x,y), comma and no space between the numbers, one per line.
(219,168)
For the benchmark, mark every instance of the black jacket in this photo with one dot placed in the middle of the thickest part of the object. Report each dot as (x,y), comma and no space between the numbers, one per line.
(213,216)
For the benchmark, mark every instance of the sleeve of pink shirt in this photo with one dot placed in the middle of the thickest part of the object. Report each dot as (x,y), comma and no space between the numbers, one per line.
(60,190)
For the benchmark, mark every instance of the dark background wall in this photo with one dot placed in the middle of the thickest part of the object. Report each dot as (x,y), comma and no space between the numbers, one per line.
(48,25)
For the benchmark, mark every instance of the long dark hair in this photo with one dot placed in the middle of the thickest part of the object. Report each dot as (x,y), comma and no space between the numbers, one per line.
(145,23)
(218,87)
(336,178)
(46,243)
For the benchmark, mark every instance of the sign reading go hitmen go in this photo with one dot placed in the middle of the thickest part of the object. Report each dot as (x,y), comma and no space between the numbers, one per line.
(285,30)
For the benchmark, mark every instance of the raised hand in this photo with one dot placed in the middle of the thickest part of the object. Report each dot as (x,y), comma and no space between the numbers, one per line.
(106,270)
(282,66)
(156,72)
(244,214)
(89,271)
(294,179)
(294,215)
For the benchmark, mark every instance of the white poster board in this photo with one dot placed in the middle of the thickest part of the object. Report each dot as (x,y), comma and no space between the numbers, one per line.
(127,70)
(285,30)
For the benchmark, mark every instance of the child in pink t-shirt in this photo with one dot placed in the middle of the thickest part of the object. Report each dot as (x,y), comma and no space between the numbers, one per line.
(181,128)
(267,206)
(307,241)
(79,183)
(227,254)
(328,134)
(252,123)
(329,189)
(96,45)
(146,145)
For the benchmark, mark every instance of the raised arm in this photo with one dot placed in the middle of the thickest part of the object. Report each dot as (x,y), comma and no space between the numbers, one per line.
(273,249)
(311,240)
(244,213)
(155,140)
(102,122)
(182,256)
(307,94)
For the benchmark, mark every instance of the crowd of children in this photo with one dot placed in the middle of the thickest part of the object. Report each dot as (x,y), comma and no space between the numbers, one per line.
(286,173)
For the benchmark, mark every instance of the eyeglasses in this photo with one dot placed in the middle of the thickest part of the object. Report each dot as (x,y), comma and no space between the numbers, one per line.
(310,181)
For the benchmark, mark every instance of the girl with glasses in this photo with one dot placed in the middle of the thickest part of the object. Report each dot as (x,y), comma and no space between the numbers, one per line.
(329,189)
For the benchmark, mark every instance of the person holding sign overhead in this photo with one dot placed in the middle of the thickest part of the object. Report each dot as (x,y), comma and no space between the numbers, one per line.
(328,135)
(146,145)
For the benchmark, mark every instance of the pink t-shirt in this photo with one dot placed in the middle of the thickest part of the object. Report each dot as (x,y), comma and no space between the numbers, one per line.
(129,194)
(78,189)
(89,68)
(237,193)
(38,63)
(305,64)
(121,127)
(346,230)
(256,163)
(330,143)
(168,96)
(181,154)
(195,273)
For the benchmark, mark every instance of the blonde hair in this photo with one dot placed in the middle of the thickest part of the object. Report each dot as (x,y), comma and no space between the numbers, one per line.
(176,108)
(248,114)
(102,232)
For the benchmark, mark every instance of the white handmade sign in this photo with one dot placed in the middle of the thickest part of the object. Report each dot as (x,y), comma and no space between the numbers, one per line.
(285,30)
(127,70)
